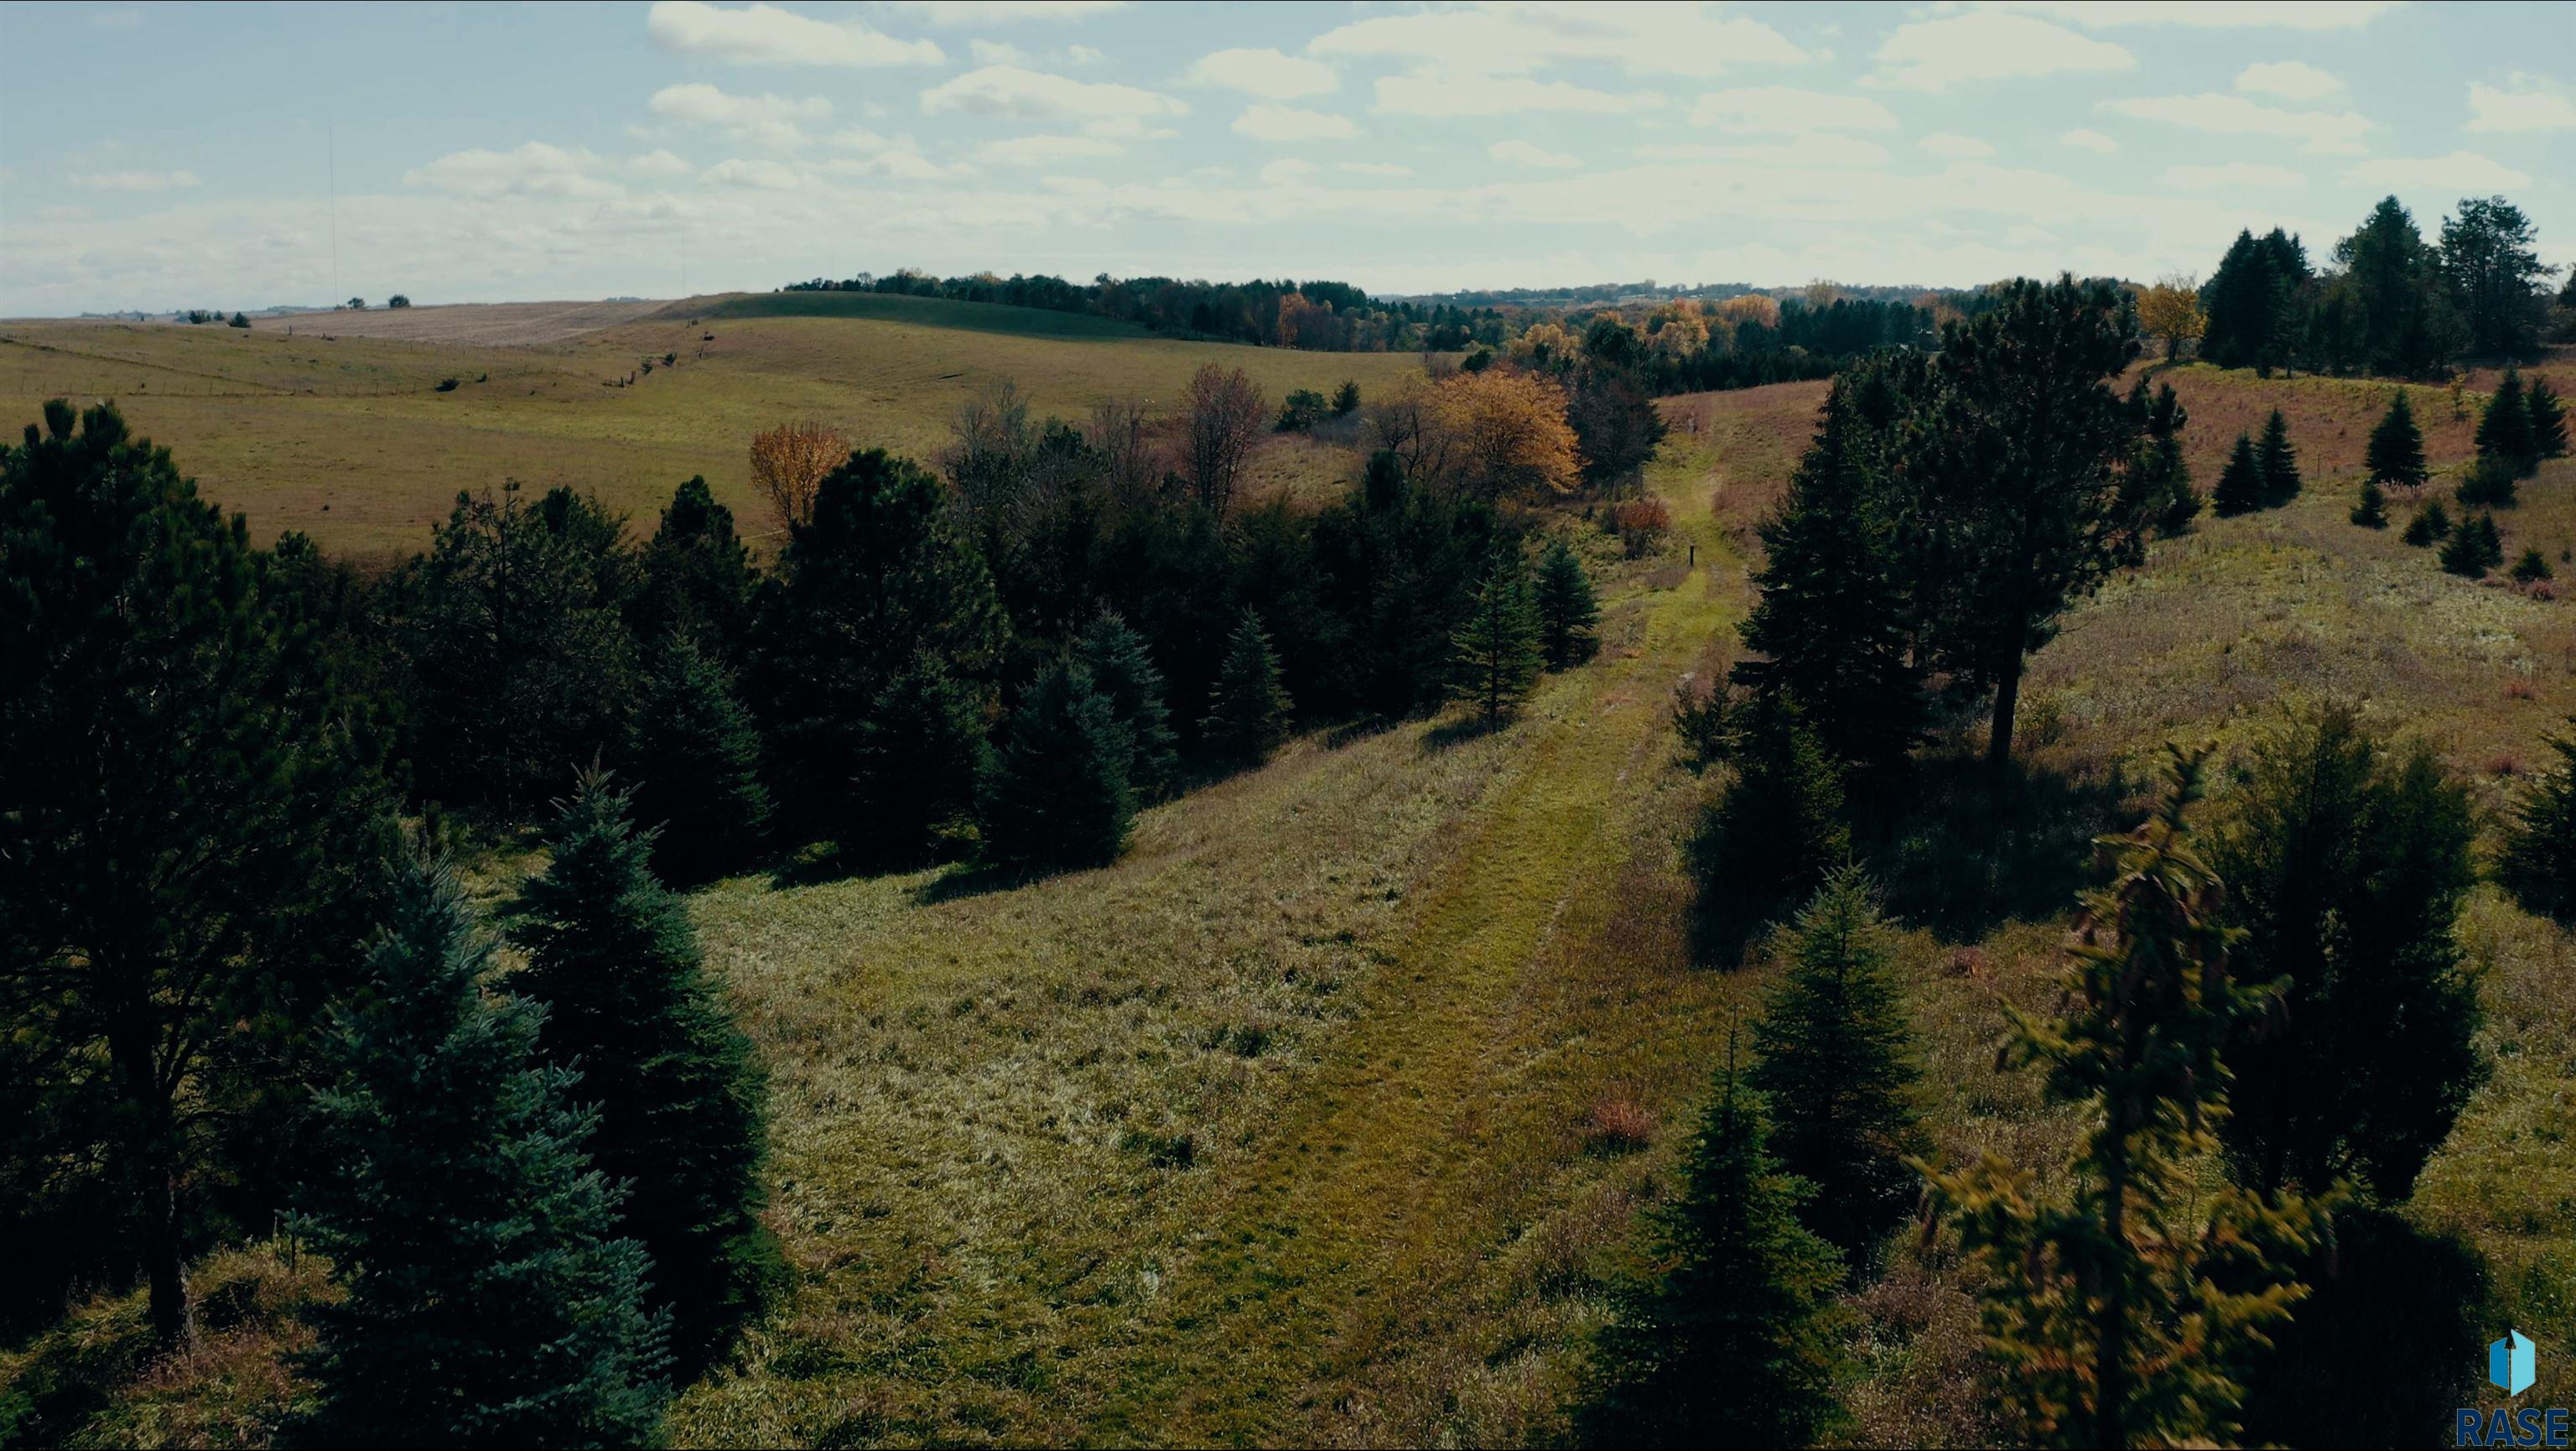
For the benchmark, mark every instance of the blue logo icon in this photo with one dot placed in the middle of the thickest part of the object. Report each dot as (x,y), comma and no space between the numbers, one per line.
(2511,1364)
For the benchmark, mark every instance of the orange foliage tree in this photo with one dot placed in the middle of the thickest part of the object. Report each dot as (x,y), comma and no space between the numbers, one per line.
(789,463)
(2170,309)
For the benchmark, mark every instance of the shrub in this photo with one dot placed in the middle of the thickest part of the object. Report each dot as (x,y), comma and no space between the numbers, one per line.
(1303,409)
(447,385)
(1641,525)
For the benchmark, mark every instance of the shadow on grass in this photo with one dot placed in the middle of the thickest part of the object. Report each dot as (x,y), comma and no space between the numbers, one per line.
(1961,853)
(970,880)
(1453,733)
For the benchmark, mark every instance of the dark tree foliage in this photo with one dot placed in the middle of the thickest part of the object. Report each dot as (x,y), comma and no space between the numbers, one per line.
(2505,433)
(2496,276)
(1616,424)
(2538,861)
(681,1099)
(2015,484)
(877,637)
(2531,567)
(188,801)
(519,651)
(2399,321)
(492,1298)
(697,765)
(2252,302)
(1494,655)
(697,576)
(1777,832)
(1831,625)
(2158,480)
(2279,460)
(1835,1058)
(1395,569)
(2431,525)
(1735,1341)
(2488,483)
(2474,548)
(2548,416)
(1056,794)
(1567,609)
(2240,484)
(2347,860)
(1122,670)
(2370,510)
(2395,456)
(1249,711)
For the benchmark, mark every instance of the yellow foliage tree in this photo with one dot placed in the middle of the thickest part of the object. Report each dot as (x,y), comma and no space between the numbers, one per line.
(789,463)
(2169,308)
(1510,432)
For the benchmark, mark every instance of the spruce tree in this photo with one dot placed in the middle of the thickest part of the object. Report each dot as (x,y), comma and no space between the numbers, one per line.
(2123,1313)
(2431,525)
(2240,484)
(915,758)
(1736,1341)
(681,1097)
(2531,568)
(1248,713)
(697,765)
(2538,861)
(2370,511)
(1056,794)
(2396,453)
(1122,669)
(1494,657)
(697,576)
(2280,462)
(2505,432)
(2548,416)
(2474,548)
(1779,829)
(2159,477)
(492,1299)
(1567,610)
(1836,1062)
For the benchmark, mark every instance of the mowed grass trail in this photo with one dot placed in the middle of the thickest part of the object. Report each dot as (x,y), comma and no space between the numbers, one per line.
(1276,1131)
(347,437)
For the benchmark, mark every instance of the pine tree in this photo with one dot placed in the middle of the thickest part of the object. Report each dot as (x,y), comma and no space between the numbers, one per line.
(1122,669)
(1567,610)
(1249,711)
(2120,1321)
(2396,453)
(1056,794)
(2431,525)
(697,576)
(2279,460)
(2548,415)
(915,760)
(2531,568)
(2240,484)
(1494,657)
(2505,433)
(2488,482)
(2370,511)
(2538,861)
(491,1298)
(1836,1061)
(1779,829)
(681,1097)
(2159,477)
(1735,1341)
(697,764)
(2474,548)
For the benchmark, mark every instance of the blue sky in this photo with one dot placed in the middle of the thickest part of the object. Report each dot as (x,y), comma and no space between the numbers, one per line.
(158,156)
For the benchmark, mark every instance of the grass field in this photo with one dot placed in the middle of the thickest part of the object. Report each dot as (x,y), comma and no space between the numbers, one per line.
(345,435)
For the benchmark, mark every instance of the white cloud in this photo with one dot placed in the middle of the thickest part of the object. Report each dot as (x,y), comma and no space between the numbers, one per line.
(533,169)
(996,52)
(2316,131)
(1005,90)
(1432,93)
(1046,150)
(977,13)
(1524,153)
(2211,14)
(767,35)
(1288,124)
(134,180)
(657,163)
(2234,175)
(1954,147)
(2293,80)
(895,165)
(1788,110)
(769,120)
(1805,151)
(1084,55)
(1265,73)
(1286,171)
(1375,168)
(2524,103)
(2090,141)
(2461,171)
(1642,39)
(1935,55)
(752,175)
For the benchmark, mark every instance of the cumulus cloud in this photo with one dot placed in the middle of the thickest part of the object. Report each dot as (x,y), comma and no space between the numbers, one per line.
(2292,80)
(769,120)
(534,169)
(1805,151)
(1954,147)
(1008,90)
(767,35)
(2090,141)
(1434,93)
(2461,171)
(751,175)
(2234,175)
(134,180)
(2317,131)
(657,163)
(2523,103)
(1935,55)
(1265,73)
(2231,15)
(1286,171)
(1788,110)
(1642,39)
(1524,153)
(1288,125)
(1001,12)
(1046,150)
(1375,168)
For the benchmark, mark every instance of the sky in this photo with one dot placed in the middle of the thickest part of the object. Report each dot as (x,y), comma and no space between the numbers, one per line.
(163,156)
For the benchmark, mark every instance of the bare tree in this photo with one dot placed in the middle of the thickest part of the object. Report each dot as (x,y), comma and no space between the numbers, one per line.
(1225,414)
(789,463)
(990,446)
(1134,464)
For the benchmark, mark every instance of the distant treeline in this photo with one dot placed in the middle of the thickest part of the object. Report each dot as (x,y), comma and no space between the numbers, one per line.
(1332,317)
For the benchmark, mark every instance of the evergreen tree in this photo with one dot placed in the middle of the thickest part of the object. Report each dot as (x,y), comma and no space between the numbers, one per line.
(2474,548)
(1836,1061)
(2496,274)
(2159,478)
(2489,483)
(2505,432)
(1779,829)
(696,576)
(1567,611)
(915,759)
(1248,713)
(2396,453)
(2538,861)
(2431,525)
(681,1098)
(2347,861)
(2548,418)
(1056,794)
(1122,669)
(1735,1341)
(2252,301)
(2371,510)
(1831,624)
(2240,484)
(491,1300)
(1494,657)
(697,762)
(2120,1321)
(2531,568)
(2279,460)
